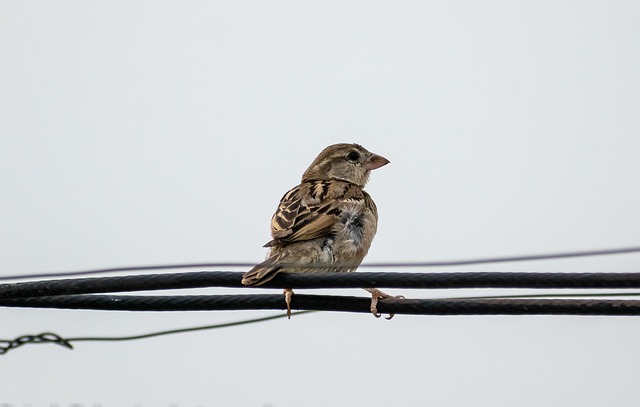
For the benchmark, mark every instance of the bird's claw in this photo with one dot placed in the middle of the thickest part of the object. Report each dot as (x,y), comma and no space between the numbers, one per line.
(375,296)
(398,297)
(287,298)
(374,306)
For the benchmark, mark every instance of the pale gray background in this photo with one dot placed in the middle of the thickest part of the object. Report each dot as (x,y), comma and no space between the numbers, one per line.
(164,132)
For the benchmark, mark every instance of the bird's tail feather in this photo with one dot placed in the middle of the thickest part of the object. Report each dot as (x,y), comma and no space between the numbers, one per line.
(261,273)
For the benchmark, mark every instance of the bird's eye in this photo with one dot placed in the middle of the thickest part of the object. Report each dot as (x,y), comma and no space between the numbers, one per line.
(353,156)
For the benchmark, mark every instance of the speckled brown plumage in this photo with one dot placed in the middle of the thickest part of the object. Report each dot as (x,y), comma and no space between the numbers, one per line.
(326,223)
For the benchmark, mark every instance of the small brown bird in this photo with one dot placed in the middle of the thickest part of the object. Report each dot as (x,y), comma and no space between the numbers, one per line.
(327,222)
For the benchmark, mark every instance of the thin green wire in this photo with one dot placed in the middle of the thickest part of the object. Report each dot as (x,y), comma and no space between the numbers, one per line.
(192,329)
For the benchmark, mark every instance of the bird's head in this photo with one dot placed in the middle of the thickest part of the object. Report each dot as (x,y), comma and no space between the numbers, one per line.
(346,162)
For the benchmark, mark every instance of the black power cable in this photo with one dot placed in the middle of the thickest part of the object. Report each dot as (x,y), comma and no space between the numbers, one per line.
(334,303)
(322,280)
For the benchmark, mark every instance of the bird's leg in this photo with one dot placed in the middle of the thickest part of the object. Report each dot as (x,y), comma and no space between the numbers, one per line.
(288,292)
(375,296)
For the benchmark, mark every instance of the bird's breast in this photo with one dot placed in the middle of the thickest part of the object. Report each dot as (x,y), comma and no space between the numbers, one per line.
(354,233)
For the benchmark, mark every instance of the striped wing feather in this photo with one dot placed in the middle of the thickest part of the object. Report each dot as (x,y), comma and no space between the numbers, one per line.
(310,210)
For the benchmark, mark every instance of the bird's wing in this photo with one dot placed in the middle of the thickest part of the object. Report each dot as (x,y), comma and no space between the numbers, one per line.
(311,209)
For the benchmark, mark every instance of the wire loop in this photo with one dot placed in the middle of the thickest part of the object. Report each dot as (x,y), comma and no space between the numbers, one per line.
(46,337)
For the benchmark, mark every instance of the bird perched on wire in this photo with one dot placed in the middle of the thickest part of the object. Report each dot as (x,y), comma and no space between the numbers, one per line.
(325,224)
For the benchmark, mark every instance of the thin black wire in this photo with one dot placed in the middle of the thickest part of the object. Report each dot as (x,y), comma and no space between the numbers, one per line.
(489,260)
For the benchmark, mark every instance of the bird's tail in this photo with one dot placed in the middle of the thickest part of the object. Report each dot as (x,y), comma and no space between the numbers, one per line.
(262,273)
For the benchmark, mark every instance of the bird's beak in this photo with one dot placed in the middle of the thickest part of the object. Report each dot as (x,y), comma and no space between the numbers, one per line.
(376,161)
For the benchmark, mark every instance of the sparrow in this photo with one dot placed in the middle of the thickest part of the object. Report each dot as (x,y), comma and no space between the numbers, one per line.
(326,223)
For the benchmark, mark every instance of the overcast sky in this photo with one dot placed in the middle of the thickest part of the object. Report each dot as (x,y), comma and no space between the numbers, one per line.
(165,132)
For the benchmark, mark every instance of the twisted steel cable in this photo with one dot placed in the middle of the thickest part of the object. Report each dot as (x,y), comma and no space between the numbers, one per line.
(334,303)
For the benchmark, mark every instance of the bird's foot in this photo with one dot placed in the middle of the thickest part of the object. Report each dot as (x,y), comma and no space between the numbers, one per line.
(288,292)
(375,296)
